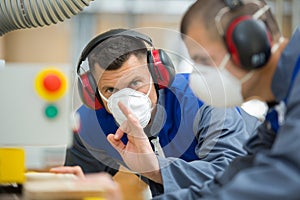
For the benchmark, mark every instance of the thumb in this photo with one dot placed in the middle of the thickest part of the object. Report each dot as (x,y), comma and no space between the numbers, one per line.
(116,143)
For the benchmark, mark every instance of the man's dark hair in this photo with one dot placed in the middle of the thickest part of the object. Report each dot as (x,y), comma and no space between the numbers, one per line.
(112,53)
(204,12)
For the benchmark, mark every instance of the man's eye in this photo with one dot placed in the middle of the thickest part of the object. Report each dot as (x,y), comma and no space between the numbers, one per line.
(110,90)
(136,84)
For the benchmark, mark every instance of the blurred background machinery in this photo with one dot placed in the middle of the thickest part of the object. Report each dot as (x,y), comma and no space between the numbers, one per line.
(35,106)
(20,14)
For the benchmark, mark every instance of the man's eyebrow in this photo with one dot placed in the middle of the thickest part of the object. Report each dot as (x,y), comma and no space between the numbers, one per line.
(139,76)
(136,75)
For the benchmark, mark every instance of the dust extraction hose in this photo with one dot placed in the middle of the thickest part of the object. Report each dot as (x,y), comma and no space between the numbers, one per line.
(21,14)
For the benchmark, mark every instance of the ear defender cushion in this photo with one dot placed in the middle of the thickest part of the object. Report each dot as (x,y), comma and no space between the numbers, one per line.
(249,42)
(88,91)
(161,68)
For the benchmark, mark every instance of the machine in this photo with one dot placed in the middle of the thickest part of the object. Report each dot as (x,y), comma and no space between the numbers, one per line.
(36,118)
(36,115)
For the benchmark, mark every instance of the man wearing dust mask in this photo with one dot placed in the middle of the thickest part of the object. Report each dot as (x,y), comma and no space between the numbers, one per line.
(245,57)
(175,123)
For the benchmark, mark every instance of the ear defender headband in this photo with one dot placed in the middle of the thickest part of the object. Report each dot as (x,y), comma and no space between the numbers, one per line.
(246,37)
(159,64)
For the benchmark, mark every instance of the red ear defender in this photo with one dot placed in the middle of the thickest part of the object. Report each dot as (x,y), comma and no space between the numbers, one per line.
(161,68)
(88,91)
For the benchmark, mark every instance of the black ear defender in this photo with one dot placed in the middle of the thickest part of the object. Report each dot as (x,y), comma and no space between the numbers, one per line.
(159,63)
(247,38)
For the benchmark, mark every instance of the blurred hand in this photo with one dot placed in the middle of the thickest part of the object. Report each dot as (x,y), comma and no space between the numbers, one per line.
(76,170)
(103,181)
(137,153)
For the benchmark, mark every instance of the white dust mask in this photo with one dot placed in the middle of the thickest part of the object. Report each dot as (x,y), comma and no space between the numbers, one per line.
(216,86)
(137,102)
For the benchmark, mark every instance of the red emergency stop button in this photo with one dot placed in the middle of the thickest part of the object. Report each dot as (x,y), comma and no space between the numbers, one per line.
(51,84)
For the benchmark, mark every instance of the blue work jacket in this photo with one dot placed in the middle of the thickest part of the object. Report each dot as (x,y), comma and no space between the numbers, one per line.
(186,128)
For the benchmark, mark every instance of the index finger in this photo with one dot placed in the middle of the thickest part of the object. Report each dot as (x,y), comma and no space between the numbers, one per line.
(124,109)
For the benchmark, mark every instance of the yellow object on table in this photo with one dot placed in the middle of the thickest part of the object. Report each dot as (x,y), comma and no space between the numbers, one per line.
(12,165)
(93,198)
